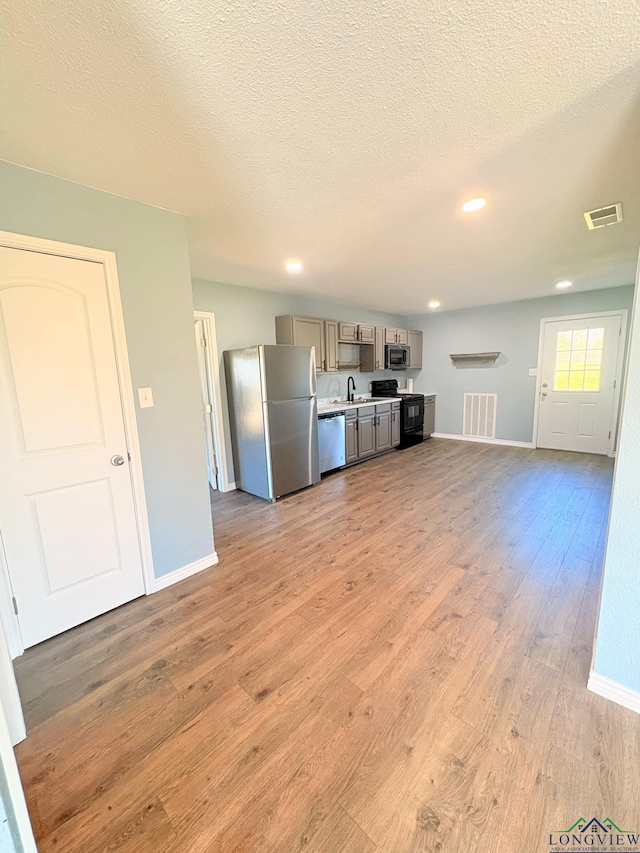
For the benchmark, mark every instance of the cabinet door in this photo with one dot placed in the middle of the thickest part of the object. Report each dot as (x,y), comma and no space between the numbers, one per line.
(383,431)
(331,346)
(379,348)
(348,332)
(366,334)
(415,350)
(366,436)
(402,336)
(351,440)
(390,336)
(395,427)
(309,332)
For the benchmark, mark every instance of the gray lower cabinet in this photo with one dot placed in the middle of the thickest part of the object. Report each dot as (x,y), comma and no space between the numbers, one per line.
(429,416)
(366,431)
(383,427)
(351,437)
(395,424)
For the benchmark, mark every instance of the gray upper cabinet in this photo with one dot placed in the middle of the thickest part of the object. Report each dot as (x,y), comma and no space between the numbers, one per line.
(348,333)
(331,346)
(366,334)
(379,348)
(396,336)
(372,355)
(303,332)
(415,350)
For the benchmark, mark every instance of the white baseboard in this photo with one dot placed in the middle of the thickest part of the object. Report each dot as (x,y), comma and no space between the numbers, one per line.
(186,571)
(230,487)
(610,689)
(503,441)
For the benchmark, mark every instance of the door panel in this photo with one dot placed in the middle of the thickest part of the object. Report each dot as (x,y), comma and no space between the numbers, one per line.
(579,361)
(48,377)
(66,513)
(207,402)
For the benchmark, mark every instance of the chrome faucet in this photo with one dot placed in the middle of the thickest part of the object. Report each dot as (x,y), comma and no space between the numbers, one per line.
(351,391)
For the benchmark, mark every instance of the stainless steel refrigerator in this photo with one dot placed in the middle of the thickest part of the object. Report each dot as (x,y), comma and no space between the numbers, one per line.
(274,418)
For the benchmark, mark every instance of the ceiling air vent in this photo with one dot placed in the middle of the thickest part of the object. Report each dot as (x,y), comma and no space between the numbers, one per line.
(609,215)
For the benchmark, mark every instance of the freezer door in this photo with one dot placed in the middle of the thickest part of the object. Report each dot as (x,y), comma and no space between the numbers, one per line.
(289,372)
(293,443)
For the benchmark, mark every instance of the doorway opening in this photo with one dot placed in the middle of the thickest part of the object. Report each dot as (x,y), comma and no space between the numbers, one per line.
(580,363)
(209,374)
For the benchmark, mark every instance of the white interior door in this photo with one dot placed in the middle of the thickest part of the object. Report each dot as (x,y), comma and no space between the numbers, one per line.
(67,516)
(577,387)
(207,402)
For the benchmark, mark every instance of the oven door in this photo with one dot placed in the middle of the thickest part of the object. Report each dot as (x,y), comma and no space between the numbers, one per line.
(412,415)
(396,357)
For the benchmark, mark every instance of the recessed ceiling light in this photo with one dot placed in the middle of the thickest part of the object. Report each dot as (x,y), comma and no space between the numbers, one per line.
(293,267)
(434,304)
(564,285)
(474,204)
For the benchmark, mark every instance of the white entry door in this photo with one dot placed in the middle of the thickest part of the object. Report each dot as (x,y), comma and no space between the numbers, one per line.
(577,386)
(207,402)
(67,517)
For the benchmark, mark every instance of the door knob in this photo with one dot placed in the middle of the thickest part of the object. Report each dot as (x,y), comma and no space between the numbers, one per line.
(117,460)
(544,394)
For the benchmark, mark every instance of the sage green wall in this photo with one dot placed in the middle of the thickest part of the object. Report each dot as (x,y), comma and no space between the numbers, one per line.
(512,328)
(246,316)
(155,285)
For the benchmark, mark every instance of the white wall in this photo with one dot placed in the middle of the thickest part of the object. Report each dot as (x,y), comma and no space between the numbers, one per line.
(617,653)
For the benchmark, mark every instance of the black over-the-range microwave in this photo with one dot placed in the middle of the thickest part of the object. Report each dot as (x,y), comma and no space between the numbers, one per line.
(396,357)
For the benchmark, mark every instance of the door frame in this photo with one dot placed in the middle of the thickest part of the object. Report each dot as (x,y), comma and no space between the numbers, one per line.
(623,313)
(215,392)
(108,260)
(9,719)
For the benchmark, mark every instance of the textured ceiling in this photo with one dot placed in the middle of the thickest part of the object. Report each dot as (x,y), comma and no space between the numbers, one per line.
(346,135)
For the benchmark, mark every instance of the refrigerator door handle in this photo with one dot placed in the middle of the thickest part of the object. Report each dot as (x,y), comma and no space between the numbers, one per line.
(282,402)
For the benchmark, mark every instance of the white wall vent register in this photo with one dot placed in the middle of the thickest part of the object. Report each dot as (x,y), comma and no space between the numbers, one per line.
(609,215)
(479,419)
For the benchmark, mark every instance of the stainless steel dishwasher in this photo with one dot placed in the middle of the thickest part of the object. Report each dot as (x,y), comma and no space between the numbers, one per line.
(331,441)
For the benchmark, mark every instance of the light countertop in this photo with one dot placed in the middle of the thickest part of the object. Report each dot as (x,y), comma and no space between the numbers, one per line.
(325,406)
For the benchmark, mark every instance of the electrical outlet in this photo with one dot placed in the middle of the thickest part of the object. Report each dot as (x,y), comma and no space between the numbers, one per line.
(145,396)
(533,371)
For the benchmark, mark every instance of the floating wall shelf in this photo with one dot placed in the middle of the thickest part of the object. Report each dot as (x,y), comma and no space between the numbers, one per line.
(473,359)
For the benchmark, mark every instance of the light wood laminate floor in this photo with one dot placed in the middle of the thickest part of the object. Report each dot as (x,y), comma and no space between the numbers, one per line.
(392,661)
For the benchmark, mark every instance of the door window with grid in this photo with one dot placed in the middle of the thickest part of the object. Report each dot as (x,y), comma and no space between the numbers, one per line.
(578,360)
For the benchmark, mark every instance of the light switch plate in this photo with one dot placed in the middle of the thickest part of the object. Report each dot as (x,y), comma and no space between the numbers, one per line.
(533,371)
(145,395)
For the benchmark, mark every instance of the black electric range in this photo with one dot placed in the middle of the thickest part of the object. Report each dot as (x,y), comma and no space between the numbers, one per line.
(411,410)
